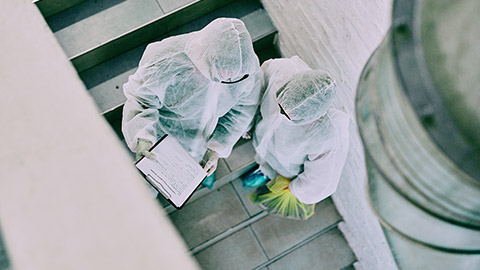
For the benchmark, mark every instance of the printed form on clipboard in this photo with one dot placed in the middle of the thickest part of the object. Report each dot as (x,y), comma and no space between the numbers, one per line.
(173,172)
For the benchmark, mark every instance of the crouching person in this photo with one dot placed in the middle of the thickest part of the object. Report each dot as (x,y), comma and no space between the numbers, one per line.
(301,140)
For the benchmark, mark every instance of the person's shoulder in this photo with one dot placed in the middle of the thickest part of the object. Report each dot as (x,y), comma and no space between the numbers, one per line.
(292,64)
(280,70)
(340,121)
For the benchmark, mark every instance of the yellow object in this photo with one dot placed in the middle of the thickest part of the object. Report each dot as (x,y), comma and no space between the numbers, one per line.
(276,197)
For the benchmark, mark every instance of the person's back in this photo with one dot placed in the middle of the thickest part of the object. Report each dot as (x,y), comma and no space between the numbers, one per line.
(202,88)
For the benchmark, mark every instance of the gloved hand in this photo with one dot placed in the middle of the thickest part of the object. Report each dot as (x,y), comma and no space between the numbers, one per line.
(209,161)
(277,198)
(255,179)
(247,135)
(142,149)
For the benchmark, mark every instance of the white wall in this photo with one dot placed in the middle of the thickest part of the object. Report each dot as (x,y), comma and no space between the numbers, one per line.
(338,36)
(70,197)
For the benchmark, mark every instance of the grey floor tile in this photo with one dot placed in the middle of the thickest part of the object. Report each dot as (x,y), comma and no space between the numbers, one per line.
(208,216)
(105,23)
(171,5)
(239,251)
(277,234)
(243,193)
(330,251)
(222,169)
(243,155)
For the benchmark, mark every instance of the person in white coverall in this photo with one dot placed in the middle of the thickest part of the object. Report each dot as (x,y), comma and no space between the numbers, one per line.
(301,140)
(203,88)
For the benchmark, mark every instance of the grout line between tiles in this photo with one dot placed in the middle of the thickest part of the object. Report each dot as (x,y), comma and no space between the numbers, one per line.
(228,167)
(161,9)
(259,242)
(228,232)
(253,231)
(240,198)
(296,246)
(226,163)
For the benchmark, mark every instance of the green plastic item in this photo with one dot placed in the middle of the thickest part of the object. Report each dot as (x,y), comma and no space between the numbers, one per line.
(277,198)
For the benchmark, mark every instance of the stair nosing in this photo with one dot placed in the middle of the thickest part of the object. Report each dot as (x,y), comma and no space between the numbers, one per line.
(219,237)
(159,19)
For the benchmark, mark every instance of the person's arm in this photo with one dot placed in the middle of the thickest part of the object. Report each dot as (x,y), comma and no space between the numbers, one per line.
(251,127)
(258,115)
(140,112)
(322,172)
(235,122)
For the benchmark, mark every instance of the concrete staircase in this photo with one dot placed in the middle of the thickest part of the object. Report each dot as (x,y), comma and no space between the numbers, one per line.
(105,39)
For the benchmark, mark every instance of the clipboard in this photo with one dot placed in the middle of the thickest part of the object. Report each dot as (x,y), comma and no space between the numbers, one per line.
(173,172)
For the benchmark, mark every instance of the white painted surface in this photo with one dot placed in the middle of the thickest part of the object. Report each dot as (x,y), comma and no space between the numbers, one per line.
(70,197)
(339,36)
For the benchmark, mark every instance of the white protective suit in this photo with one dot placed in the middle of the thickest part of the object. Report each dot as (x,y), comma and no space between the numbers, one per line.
(177,89)
(309,149)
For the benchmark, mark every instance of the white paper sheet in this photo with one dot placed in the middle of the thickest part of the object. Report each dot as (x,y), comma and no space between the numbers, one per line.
(173,172)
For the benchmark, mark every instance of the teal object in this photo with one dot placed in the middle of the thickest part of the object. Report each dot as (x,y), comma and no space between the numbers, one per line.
(209,180)
(255,179)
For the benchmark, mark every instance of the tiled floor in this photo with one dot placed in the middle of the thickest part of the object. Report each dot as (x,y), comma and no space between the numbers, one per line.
(325,252)
(239,251)
(277,234)
(209,216)
(225,230)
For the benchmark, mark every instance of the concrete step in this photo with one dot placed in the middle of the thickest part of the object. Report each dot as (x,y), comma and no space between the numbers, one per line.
(97,30)
(51,7)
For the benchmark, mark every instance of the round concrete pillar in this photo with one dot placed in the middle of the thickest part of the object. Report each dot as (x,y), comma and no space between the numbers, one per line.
(418,114)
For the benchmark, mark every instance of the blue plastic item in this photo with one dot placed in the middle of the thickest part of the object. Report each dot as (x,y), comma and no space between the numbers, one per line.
(255,179)
(209,180)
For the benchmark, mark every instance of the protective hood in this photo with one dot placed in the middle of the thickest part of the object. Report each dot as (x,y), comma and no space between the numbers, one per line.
(307,96)
(222,50)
